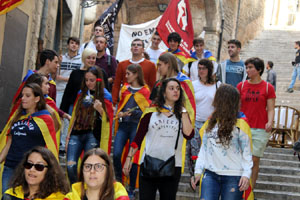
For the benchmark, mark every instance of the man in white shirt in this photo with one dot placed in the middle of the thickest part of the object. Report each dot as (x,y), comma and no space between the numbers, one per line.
(70,61)
(154,51)
(98,31)
(191,68)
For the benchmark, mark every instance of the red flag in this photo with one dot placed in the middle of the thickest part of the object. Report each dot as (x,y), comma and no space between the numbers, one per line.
(178,18)
(8,5)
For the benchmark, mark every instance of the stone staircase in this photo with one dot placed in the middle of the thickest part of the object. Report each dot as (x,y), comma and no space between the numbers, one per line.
(279,173)
(277,46)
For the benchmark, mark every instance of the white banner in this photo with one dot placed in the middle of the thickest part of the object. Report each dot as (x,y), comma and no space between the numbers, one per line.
(130,32)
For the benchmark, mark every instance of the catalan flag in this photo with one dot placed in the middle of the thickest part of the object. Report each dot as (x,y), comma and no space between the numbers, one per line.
(8,5)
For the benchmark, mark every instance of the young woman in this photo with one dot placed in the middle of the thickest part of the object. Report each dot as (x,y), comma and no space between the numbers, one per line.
(168,68)
(163,127)
(96,179)
(73,86)
(225,155)
(205,88)
(38,176)
(31,125)
(258,104)
(91,121)
(134,99)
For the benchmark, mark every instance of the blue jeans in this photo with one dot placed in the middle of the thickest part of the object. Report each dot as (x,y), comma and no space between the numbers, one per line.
(296,72)
(126,131)
(213,186)
(77,144)
(6,177)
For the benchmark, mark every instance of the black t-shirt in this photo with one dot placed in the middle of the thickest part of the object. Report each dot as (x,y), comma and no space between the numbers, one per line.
(297,59)
(25,135)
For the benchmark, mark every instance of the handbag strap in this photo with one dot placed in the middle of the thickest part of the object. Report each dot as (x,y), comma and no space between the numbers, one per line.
(178,134)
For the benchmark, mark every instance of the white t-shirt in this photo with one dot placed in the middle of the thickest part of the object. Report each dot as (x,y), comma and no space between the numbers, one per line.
(91,45)
(161,138)
(204,96)
(154,54)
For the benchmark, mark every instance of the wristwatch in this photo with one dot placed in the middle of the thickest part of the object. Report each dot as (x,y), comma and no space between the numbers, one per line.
(183,110)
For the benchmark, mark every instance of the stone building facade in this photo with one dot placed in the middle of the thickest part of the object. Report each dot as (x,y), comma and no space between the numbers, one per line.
(243,20)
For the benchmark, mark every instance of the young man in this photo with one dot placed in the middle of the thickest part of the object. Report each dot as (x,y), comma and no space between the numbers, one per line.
(154,51)
(107,62)
(232,71)
(271,74)
(191,69)
(70,61)
(174,40)
(149,69)
(97,31)
(296,71)
(49,65)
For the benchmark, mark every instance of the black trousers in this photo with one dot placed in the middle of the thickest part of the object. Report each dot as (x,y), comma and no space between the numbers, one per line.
(167,186)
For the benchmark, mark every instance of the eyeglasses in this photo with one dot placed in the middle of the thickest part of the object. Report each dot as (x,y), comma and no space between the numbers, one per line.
(137,45)
(38,167)
(98,167)
(202,68)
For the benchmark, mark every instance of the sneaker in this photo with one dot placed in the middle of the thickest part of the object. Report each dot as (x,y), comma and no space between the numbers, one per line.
(131,195)
(290,90)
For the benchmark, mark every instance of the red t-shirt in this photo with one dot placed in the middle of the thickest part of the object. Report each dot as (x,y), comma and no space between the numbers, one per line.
(254,102)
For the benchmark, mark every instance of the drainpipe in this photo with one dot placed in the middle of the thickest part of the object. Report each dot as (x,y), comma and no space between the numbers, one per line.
(81,25)
(222,29)
(237,19)
(42,32)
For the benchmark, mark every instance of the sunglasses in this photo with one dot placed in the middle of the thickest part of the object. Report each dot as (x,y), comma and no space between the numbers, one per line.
(38,167)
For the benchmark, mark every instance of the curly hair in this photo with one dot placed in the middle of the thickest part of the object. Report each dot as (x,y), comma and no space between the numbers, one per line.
(54,180)
(160,98)
(227,104)
(107,191)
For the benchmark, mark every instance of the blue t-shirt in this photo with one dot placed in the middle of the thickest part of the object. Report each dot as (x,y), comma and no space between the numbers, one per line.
(234,72)
(25,135)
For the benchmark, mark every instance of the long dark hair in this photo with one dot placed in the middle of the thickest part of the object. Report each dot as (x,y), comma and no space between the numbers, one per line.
(107,191)
(160,99)
(137,69)
(227,104)
(210,67)
(54,180)
(37,92)
(99,90)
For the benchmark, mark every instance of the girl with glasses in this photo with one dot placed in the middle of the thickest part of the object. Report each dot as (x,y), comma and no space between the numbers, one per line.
(96,179)
(91,121)
(205,88)
(31,125)
(38,176)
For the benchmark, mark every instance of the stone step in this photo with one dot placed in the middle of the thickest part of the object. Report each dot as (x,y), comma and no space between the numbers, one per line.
(279,170)
(278,178)
(279,150)
(280,156)
(272,162)
(275,195)
(278,186)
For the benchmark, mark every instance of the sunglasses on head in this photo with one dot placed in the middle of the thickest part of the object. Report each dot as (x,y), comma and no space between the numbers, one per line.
(38,167)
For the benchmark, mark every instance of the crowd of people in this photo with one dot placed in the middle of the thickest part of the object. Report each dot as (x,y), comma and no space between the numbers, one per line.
(163,108)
